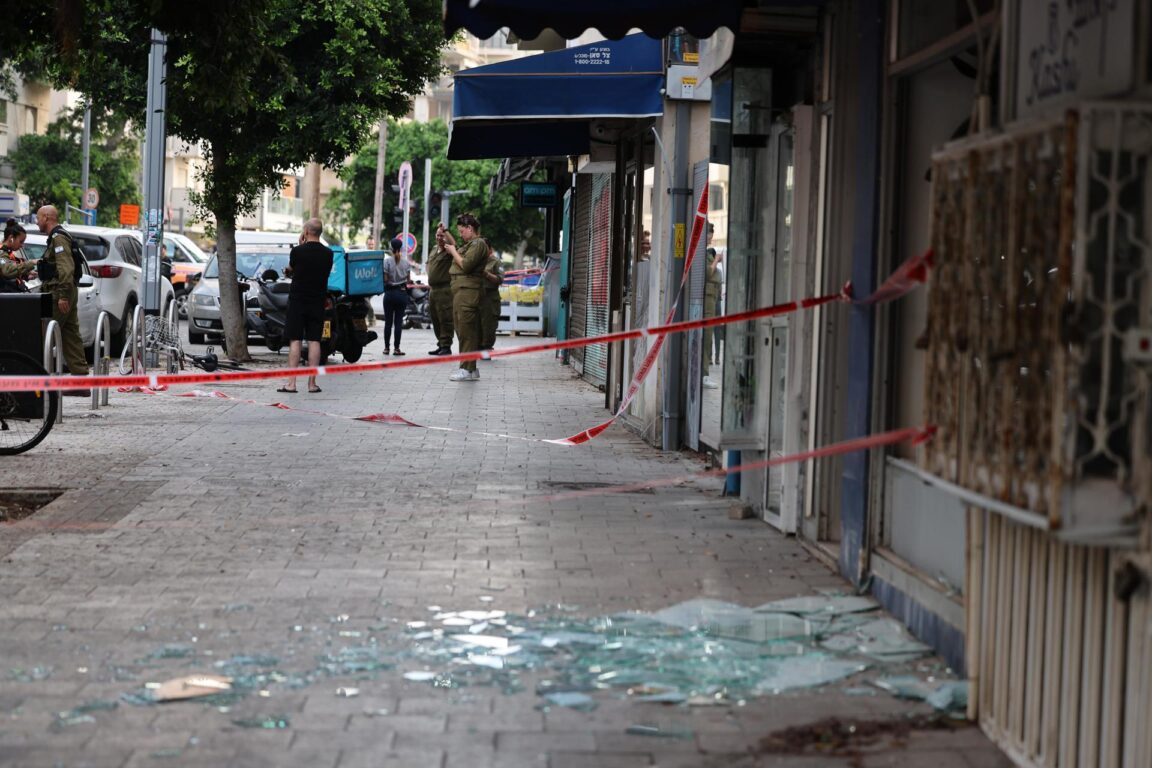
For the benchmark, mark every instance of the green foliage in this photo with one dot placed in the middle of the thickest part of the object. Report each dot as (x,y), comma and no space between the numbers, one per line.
(48,165)
(503,222)
(259,85)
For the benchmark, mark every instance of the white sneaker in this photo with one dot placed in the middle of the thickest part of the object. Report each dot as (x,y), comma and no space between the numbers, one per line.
(475,375)
(461,375)
(709,384)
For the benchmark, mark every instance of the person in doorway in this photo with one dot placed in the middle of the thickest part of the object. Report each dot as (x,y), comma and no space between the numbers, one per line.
(490,311)
(397,273)
(713,279)
(14,269)
(57,273)
(309,265)
(440,294)
(467,269)
(645,246)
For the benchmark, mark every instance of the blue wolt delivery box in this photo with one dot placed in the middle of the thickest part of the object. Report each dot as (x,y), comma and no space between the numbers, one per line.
(357,273)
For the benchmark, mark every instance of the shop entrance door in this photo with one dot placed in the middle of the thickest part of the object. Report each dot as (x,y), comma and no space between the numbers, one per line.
(779,184)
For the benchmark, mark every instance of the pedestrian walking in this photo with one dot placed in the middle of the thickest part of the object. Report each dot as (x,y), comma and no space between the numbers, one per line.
(490,312)
(713,281)
(14,268)
(397,273)
(440,295)
(309,265)
(467,270)
(57,276)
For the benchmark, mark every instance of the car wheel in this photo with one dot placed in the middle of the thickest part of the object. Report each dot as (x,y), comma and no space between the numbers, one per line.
(182,305)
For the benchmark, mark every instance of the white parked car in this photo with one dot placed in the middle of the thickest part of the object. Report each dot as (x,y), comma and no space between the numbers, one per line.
(88,304)
(115,260)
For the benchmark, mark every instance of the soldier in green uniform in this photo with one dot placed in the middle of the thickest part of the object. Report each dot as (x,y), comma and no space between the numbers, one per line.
(440,295)
(467,273)
(57,279)
(490,312)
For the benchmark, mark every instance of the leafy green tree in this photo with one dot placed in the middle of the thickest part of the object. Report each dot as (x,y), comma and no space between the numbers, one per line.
(259,85)
(505,225)
(48,165)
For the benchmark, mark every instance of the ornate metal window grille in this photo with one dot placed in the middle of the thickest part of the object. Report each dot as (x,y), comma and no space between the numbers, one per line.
(1043,265)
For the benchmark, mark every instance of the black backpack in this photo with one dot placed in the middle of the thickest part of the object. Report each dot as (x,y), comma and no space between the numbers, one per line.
(47,269)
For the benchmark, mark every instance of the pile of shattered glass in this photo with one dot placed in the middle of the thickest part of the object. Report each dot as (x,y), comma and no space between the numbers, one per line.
(698,653)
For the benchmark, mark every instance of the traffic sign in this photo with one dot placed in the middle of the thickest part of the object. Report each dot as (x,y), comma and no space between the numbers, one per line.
(91,197)
(129,215)
(409,242)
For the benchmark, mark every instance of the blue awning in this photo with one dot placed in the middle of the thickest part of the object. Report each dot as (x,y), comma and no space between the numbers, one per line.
(613,18)
(543,105)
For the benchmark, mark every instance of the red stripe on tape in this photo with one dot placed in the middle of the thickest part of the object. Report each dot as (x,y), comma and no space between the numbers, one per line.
(907,278)
(913,435)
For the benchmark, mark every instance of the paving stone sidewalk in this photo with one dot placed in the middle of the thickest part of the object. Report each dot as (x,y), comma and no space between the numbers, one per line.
(193,531)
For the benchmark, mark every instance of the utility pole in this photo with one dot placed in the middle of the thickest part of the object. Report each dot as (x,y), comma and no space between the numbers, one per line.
(427,197)
(445,206)
(680,201)
(405,183)
(86,150)
(154,141)
(378,202)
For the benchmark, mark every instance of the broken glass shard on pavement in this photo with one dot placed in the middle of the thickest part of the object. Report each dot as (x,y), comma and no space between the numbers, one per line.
(826,605)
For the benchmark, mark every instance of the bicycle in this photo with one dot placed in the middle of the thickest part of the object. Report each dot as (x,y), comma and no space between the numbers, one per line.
(161,336)
(26,418)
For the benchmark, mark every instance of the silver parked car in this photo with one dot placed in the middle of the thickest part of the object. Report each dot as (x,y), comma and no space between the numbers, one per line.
(204,300)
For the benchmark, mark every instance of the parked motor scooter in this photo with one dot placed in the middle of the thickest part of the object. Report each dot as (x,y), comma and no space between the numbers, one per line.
(345,319)
(416,313)
(350,332)
(272,318)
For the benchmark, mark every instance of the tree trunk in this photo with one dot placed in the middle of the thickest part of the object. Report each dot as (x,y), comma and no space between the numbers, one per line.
(232,312)
(518,262)
(312,175)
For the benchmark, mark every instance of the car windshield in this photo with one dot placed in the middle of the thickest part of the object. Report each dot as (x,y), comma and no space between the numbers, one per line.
(190,248)
(34,250)
(251,264)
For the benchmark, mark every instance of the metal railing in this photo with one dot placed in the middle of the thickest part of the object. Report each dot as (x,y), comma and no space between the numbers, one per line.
(54,358)
(172,355)
(139,342)
(101,357)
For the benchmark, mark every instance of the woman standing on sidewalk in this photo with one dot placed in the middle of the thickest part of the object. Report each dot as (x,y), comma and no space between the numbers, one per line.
(397,272)
(13,268)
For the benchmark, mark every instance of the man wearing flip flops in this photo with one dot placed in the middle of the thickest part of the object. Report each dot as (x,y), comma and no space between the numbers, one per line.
(309,265)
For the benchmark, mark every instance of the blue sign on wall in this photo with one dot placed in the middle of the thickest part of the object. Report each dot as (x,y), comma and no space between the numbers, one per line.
(536,194)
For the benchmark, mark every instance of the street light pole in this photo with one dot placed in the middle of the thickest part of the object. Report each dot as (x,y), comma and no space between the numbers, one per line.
(447,195)
(86,150)
(378,200)
(427,197)
(154,141)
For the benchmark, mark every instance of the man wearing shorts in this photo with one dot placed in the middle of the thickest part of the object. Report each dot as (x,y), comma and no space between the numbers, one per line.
(308,265)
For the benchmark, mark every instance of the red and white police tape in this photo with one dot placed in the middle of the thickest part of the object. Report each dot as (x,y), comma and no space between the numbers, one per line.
(906,278)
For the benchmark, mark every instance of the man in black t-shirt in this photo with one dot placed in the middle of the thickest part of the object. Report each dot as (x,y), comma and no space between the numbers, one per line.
(308,265)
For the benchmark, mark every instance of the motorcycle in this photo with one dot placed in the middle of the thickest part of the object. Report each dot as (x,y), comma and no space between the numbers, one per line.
(345,319)
(416,314)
